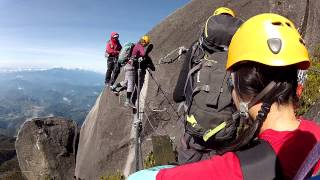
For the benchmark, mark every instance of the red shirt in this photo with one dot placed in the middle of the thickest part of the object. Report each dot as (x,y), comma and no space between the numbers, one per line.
(138,51)
(291,148)
(113,48)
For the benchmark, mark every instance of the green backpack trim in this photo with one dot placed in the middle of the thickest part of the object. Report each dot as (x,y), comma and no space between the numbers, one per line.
(125,53)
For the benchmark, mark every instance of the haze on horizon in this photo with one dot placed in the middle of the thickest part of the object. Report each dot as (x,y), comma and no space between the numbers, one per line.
(72,34)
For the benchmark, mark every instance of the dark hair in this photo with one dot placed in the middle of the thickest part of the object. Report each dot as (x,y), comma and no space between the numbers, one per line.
(226,14)
(250,78)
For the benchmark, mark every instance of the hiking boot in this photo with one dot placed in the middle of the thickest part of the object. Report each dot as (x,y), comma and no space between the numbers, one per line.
(134,111)
(128,103)
(136,123)
(117,93)
(114,89)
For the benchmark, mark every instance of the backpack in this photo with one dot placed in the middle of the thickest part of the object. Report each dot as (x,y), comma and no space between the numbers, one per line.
(208,102)
(208,106)
(259,161)
(218,32)
(125,53)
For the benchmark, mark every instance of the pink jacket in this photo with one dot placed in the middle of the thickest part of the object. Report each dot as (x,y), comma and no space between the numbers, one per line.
(138,51)
(113,46)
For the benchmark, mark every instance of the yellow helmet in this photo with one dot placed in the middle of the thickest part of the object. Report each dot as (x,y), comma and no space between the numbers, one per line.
(145,40)
(224,10)
(269,39)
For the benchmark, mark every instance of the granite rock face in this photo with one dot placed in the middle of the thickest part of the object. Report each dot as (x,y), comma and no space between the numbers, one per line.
(106,140)
(46,148)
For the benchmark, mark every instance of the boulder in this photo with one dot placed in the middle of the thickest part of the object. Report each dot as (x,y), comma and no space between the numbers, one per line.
(46,148)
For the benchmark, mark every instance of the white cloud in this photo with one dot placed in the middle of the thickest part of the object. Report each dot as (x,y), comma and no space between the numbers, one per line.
(66,99)
(45,57)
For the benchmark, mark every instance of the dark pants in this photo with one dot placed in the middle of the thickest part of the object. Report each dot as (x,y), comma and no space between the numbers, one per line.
(113,70)
(142,76)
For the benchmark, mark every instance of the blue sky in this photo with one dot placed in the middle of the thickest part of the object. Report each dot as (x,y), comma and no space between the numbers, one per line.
(72,33)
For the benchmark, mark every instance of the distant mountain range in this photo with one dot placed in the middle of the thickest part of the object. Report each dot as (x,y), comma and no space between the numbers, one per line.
(54,92)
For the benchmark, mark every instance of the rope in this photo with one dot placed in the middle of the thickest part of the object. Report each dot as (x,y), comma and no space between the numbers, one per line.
(165,96)
(149,121)
(147,104)
(181,50)
(139,128)
(304,22)
(302,30)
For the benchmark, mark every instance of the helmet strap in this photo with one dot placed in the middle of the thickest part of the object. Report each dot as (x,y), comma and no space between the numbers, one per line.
(244,110)
(245,106)
(245,121)
(262,94)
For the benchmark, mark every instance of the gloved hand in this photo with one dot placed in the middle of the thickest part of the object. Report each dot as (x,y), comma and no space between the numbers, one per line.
(140,59)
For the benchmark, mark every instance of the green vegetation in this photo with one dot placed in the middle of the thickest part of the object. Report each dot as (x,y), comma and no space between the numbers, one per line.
(316,52)
(47,177)
(116,176)
(311,92)
(149,162)
(12,176)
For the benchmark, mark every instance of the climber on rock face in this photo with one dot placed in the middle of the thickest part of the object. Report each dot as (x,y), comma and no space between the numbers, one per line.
(139,54)
(113,48)
(142,60)
(128,82)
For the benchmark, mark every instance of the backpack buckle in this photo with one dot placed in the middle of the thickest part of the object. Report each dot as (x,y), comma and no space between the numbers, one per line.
(243,108)
(192,120)
(208,63)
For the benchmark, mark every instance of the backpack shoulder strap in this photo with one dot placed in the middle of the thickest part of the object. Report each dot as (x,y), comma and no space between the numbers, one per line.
(259,162)
(192,69)
(307,166)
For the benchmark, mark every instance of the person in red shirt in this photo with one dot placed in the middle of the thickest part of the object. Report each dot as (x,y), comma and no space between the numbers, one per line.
(264,57)
(113,49)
